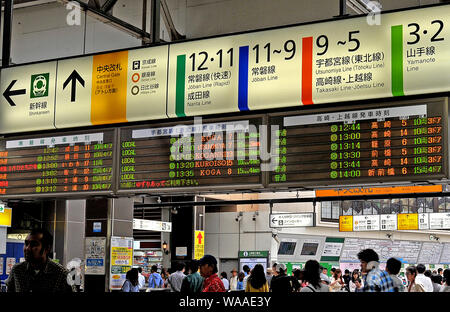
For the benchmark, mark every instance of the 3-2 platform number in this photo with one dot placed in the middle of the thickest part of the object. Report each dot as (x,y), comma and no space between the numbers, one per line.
(416,35)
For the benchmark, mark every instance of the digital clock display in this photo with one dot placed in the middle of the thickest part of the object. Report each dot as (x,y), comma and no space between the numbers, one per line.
(219,154)
(69,163)
(372,144)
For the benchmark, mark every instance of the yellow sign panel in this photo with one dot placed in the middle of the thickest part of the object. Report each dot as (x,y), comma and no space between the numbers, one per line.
(199,244)
(345,223)
(5,217)
(357,191)
(109,88)
(408,221)
(122,256)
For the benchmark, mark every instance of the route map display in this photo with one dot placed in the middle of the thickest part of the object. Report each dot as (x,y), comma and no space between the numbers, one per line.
(373,144)
(194,155)
(64,163)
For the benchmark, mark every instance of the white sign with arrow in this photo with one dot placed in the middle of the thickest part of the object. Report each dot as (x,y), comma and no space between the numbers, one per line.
(27,98)
(73,92)
(291,220)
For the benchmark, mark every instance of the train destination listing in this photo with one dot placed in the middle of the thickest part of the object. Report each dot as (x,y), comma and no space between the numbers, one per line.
(404,143)
(215,154)
(60,164)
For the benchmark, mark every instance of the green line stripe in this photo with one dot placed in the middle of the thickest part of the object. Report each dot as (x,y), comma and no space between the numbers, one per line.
(329,258)
(181,85)
(334,240)
(397,60)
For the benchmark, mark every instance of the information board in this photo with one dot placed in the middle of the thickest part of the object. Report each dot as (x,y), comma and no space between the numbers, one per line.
(312,64)
(110,88)
(366,223)
(406,250)
(376,144)
(64,163)
(445,257)
(95,251)
(121,261)
(221,154)
(439,221)
(388,222)
(430,253)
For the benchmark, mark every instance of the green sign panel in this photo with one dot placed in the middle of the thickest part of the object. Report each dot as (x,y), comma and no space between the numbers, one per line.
(39,85)
(254,254)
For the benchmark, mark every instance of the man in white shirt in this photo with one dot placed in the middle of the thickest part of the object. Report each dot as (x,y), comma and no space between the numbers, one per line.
(176,279)
(224,279)
(233,279)
(141,279)
(422,279)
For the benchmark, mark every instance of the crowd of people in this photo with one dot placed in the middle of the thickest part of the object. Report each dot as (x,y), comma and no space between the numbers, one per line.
(202,276)
(38,273)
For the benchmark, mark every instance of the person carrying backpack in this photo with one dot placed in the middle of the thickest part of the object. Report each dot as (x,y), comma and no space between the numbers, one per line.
(155,280)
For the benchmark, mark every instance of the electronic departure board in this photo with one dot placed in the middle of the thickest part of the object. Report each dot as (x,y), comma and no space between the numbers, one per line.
(371,144)
(213,154)
(64,163)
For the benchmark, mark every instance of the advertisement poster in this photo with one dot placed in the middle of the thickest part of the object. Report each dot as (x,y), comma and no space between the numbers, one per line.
(95,248)
(1,266)
(121,260)
(9,264)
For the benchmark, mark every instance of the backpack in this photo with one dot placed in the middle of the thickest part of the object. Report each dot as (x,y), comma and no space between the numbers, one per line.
(153,283)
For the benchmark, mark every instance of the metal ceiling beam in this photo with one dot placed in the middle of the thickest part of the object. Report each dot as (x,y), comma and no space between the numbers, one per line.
(108,5)
(7,32)
(289,200)
(173,33)
(114,21)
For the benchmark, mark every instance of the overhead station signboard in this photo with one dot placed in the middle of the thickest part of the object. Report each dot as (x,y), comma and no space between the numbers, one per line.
(214,154)
(112,88)
(78,162)
(439,221)
(366,223)
(312,64)
(372,144)
(27,101)
(282,220)
(406,54)
(152,225)
(393,222)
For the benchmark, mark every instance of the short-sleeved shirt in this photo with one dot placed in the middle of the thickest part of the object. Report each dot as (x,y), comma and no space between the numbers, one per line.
(213,284)
(378,281)
(176,280)
(52,278)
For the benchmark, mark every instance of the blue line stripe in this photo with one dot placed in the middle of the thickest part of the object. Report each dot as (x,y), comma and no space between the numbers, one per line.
(243,78)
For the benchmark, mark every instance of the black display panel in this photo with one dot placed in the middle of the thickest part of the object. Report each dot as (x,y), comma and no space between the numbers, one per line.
(309,249)
(375,143)
(287,248)
(191,155)
(76,162)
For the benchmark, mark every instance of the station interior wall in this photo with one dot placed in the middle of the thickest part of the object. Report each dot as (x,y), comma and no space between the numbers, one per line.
(41,32)
(225,237)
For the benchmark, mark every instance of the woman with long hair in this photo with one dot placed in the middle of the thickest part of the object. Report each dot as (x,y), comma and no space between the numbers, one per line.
(240,282)
(131,283)
(411,273)
(356,278)
(311,275)
(337,282)
(257,281)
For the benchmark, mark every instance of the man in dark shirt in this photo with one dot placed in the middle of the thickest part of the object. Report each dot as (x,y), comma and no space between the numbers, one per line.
(38,273)
(282,283)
